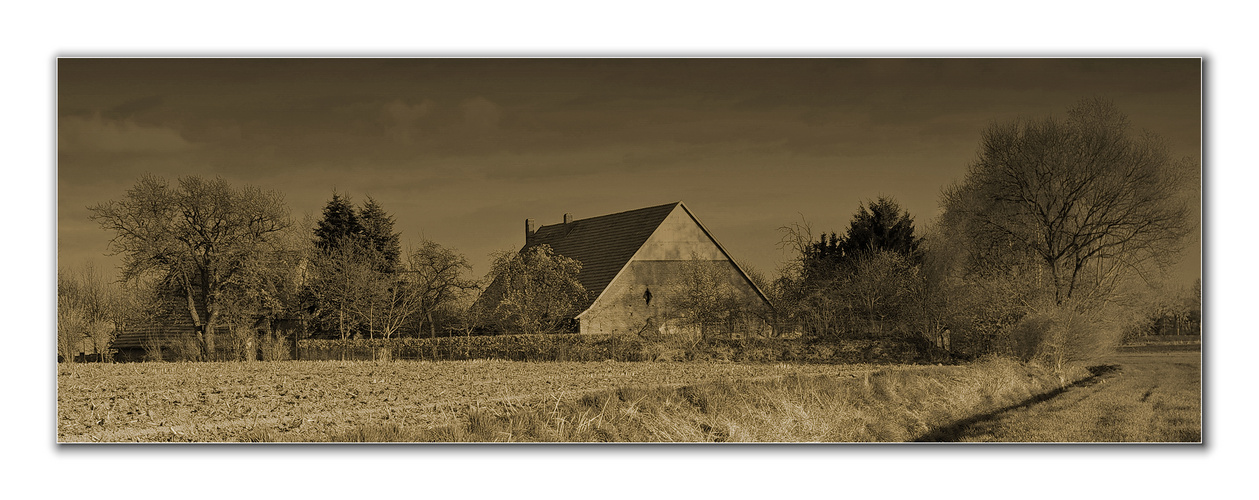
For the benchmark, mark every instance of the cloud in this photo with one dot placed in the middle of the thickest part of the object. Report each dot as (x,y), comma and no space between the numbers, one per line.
(400,119)
(94,134)
(480,114)
(130,109)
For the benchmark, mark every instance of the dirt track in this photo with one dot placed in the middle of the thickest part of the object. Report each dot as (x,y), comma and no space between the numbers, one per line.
(1139,397)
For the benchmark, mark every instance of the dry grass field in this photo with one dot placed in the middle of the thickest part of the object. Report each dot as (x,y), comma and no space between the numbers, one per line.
(325,400)
(888,404)
(495,401)
(1135,397)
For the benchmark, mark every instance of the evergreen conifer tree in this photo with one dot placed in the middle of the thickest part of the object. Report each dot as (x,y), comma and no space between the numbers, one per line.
(378,235)
(878,225)
(339,226)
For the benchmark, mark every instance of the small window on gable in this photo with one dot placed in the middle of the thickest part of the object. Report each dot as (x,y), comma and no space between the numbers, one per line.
(647,296)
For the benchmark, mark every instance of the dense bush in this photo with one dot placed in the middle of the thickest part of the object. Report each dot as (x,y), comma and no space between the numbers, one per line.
(839,351)
(1058,336)
(778,350)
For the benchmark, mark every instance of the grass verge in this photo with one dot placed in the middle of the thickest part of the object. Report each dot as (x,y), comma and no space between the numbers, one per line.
(888,405)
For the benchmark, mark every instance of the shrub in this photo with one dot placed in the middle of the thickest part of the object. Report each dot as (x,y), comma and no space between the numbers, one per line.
(153,349)
(274,346)
(183,347)
(240,345)
(1058,337)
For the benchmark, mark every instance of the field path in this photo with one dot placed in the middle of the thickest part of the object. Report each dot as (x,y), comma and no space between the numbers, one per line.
(1138,397)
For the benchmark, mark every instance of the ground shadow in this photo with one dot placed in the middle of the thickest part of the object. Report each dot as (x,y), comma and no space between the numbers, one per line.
(956,431)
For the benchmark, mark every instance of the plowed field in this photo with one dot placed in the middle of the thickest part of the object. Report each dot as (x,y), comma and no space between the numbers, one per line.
(225,402)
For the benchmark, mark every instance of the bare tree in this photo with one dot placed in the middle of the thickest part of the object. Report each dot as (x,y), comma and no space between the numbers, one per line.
(344,283)
(267,288)
(806,290)
(399,299)
(200,233)
(879,286)
(93,307)
(470,315)
(358,296)
(72,318)
(439,277)
(94,296)
(705,301)
(772,316)
(1083,198)
(796,242)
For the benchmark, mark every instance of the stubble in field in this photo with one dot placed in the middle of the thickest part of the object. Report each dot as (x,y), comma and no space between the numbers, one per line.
(321,400)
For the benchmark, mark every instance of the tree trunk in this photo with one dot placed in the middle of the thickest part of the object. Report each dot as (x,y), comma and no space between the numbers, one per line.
(432,333)
(197,326)
(211,324)
(251,349)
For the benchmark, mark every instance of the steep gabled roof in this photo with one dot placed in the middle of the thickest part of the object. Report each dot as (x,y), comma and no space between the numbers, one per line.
(604,244)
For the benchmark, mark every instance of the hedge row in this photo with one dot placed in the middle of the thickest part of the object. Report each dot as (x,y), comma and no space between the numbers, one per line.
(577,347)
(561,347)
(837,351)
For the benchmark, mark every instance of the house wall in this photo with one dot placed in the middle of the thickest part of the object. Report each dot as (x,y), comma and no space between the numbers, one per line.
(677,249)
(679,237)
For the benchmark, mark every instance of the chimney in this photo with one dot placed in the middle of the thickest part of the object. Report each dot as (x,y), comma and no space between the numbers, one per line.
(531,227)
(568,218)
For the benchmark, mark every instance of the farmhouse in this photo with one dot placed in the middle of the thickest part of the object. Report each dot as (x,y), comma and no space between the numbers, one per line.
(640,267)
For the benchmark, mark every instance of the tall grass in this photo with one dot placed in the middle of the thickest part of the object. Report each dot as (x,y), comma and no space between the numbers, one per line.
(888,405)
(274,346)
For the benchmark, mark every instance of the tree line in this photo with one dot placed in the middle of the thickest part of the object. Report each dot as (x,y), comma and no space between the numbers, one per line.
(1037,253)
(1046,250)
(232,261)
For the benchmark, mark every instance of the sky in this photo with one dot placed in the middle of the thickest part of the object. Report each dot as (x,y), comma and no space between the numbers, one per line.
(461,151)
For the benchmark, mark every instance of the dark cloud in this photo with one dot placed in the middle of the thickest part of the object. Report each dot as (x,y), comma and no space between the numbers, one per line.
(401,119)
(129,109)
(459,143)
(97,135)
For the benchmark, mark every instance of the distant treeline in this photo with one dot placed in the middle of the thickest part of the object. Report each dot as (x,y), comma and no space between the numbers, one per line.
(1039,253)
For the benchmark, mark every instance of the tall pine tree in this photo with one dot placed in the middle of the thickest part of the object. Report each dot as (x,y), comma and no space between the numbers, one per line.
(339,226)
(360,253)
(878,225)
(378,235)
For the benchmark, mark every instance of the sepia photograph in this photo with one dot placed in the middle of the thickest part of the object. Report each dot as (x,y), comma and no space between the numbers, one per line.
(629,250)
